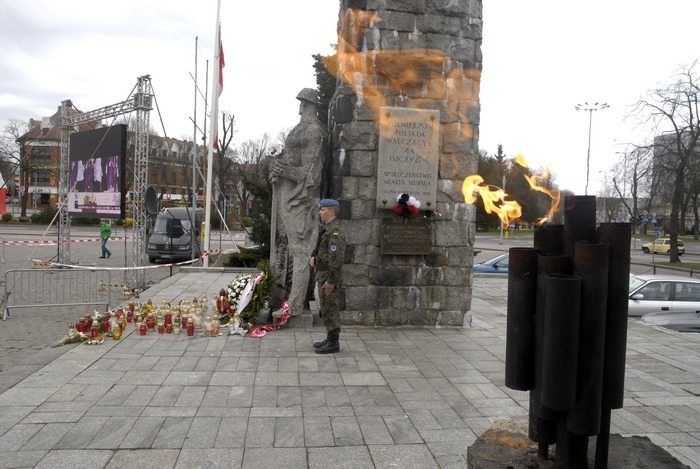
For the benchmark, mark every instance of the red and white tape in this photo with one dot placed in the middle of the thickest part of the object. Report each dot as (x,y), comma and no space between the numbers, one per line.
(54,243)
(94,267)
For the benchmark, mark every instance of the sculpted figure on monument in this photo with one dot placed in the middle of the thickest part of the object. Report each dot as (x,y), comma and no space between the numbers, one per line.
(296,179)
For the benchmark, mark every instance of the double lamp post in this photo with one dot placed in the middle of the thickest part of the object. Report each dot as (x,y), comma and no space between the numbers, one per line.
(590,108)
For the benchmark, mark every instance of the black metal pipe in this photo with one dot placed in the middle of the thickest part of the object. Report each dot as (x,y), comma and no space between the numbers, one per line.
(520,330)
(542,420)
(560,341)
(591,264)
(549,239)
(572,449)
(618,236)
(579,222)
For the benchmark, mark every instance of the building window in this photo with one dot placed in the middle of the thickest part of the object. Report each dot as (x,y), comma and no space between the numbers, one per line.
(41,154)
(41,177)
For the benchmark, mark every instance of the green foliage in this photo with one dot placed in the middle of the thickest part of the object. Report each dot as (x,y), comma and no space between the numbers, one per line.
(325,68)
(247,222)
(23,219)
(247,257)
(45,216)
(261,189)
(7,217)
(260,234)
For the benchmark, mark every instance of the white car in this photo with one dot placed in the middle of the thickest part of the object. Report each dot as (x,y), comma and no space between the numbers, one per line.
(663,294)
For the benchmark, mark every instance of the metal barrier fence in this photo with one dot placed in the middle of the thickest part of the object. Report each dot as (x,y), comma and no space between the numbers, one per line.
(35,288)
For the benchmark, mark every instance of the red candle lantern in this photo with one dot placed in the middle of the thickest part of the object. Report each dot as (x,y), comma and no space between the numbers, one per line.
(143,328)
(105,323)
(151,321)
(95,332)
(190,326)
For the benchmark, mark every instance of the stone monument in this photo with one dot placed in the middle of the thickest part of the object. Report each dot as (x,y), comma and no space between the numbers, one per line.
(404,120)
(296,179)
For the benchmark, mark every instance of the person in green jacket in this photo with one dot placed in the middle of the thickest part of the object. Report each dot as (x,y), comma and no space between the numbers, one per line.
(105,233)
(327,261)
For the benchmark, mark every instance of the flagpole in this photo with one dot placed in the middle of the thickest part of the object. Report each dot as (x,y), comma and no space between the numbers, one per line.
(213,126)
(193,193)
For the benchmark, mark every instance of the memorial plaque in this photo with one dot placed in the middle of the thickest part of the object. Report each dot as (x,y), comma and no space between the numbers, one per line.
(408,155)
(405,236)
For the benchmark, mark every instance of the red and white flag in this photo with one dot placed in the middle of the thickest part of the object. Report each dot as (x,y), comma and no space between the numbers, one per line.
(222,64)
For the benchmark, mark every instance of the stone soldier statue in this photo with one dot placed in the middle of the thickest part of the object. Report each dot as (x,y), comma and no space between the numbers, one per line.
(296,178)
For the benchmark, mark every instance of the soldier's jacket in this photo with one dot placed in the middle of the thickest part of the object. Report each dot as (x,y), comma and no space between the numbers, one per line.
(329,253)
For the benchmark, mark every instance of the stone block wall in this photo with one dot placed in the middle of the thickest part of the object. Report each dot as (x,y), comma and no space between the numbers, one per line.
(422,54)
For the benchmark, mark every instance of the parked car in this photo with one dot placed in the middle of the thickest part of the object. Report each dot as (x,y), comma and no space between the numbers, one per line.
(682,322)
(662,246)
(663,294)
(496,265)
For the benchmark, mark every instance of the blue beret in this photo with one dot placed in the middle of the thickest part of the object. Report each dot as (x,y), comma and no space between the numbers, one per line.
(328,203)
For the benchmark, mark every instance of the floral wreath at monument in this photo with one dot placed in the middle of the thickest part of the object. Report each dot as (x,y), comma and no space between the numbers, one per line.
(248,293)
(406,205)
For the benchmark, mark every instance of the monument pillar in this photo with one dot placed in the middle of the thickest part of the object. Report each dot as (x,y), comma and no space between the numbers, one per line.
(404,120)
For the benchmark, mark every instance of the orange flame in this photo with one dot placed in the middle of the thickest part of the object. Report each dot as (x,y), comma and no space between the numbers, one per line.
(406,77)
(537,182)
(494,199)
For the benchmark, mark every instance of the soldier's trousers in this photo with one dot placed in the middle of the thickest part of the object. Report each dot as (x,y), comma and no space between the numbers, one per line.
(329,308)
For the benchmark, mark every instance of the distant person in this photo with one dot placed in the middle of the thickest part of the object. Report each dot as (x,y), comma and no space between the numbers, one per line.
(105,233)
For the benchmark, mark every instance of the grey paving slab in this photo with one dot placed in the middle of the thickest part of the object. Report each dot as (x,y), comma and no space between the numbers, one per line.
(81,433)
(12,459)
(289,432)
(210,458)
(200,433)
(342,457)
(274,458)
(385,456)
(346,431)
(148,459)
(261,432)
(70,459)
(232,432)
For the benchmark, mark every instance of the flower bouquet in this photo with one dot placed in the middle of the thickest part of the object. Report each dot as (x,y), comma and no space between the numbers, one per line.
(406,205)
(247,295)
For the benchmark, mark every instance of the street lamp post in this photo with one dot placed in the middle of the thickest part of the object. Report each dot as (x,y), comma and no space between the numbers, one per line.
(590,108)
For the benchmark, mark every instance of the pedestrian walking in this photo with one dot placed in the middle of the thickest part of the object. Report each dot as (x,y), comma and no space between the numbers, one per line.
(327,260)
(105,233)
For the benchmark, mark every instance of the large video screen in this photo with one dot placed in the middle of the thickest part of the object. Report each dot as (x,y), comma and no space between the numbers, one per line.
(97,169)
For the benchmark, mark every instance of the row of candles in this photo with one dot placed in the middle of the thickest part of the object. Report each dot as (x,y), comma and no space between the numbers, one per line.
(165,319)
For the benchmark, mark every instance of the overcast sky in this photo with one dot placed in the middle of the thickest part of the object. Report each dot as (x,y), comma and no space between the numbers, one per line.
(540,59)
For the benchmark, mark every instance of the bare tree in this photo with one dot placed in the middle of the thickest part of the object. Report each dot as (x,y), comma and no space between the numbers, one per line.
(252,165)
(12,158)
(632,181)
(675,108)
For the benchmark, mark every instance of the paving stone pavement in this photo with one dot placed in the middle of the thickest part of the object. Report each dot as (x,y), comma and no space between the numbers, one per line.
(393,397)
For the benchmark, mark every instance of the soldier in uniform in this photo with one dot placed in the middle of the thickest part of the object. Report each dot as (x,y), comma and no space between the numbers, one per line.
(327,260)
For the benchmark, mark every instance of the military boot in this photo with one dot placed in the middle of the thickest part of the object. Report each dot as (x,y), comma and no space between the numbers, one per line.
(333,344)
(323,342)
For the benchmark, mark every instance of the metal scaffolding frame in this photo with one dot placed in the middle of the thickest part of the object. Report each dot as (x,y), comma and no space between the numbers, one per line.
(141,102)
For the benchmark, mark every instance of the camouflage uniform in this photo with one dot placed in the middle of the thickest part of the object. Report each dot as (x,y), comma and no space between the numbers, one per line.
(329,254)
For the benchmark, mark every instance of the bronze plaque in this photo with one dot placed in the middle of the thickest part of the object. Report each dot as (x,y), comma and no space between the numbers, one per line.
(406,236)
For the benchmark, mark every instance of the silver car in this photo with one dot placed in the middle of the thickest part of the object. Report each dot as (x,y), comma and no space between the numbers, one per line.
(663,294)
